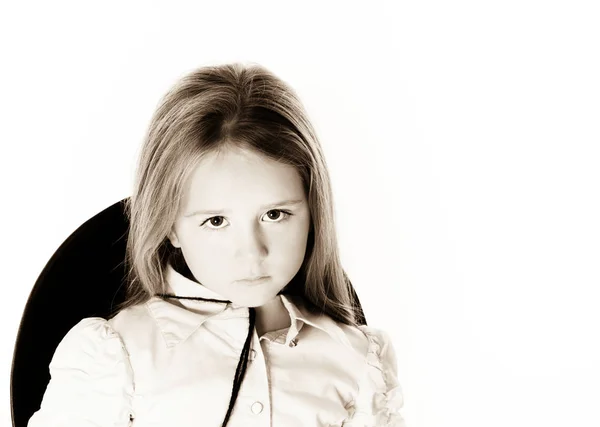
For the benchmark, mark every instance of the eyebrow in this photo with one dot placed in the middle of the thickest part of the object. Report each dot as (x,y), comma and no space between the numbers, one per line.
(271,206)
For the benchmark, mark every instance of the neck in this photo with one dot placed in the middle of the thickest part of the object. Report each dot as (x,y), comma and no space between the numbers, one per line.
(272,316)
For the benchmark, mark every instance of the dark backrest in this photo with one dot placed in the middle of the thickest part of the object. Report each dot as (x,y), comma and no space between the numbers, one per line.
(84,278)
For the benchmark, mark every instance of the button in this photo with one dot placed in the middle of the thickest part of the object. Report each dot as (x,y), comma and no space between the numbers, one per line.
(293,343)
(257,408)
(252,354)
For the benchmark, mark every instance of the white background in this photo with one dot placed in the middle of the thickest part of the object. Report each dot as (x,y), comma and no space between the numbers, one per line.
(463,143)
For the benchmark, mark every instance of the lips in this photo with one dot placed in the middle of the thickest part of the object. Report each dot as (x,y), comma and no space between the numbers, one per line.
(254,280)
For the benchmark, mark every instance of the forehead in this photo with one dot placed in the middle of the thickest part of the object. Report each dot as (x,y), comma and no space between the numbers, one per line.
(240,177)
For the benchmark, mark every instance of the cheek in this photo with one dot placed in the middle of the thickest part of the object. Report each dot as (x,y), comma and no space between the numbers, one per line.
(292,245)
(205,250)
(298,240)
(206,257)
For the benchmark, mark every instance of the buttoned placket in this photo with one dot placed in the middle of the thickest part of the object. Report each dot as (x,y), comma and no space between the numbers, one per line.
(255,396)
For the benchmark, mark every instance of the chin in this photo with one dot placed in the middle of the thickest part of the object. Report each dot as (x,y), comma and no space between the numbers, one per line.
(254,298)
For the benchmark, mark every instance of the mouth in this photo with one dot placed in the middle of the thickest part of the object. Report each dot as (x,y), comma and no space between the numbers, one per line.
(254,280)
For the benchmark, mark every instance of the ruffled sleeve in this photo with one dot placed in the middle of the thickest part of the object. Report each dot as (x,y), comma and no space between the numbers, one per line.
(380,398)
(91,382)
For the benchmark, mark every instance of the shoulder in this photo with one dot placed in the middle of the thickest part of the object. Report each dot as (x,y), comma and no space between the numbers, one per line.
(91,341)
(374,344)
(380,350)
(91,347)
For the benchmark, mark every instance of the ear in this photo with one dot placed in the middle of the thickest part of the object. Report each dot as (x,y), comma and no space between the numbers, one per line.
(174,239)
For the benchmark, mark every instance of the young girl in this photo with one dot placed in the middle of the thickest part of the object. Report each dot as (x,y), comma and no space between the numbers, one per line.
(239,312)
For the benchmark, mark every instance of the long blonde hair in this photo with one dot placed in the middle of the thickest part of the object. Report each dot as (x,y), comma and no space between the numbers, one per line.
(206,110)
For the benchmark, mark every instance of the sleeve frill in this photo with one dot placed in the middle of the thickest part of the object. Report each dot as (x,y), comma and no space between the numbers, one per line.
(91,381)
(380,398)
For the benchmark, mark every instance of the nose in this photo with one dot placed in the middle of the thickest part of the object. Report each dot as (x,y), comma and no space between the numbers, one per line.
(251,245)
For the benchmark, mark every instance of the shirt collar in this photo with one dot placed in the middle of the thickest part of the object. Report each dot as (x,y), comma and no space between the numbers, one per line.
(177,324)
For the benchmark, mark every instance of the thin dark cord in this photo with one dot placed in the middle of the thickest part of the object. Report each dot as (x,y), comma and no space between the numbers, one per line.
(241,368)
(240,371)
(192,298)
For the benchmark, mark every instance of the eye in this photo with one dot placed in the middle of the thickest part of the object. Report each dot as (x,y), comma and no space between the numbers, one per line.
(215,222)
(277,215)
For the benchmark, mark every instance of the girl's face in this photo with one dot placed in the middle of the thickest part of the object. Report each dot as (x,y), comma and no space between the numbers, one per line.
(243,216)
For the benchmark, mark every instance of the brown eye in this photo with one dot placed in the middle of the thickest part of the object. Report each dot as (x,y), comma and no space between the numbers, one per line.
(214,223)
(277,215)
(274,214)
(216,220)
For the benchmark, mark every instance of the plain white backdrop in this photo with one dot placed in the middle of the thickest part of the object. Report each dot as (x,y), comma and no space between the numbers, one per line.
(463,141)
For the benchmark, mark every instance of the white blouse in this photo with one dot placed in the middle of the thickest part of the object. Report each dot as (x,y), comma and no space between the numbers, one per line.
(172,363)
